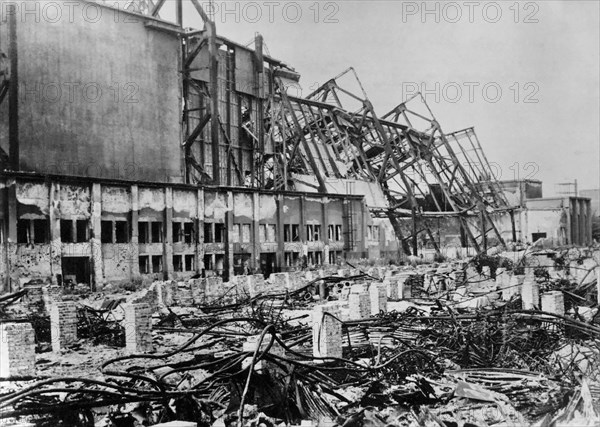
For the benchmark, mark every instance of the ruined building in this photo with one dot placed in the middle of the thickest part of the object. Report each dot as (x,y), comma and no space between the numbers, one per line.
(133,147)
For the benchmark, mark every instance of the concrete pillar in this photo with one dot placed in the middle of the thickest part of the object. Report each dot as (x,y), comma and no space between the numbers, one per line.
(63,325)
(134,245)
(228,267)
(168,235)
(95,241)
(325,229)
(54,224)
(327,331)
(255,258)
(17,350)
(200,232)
(359,303)
(553,302)
(279,229)
(378,295)
(138,328)
(530,293)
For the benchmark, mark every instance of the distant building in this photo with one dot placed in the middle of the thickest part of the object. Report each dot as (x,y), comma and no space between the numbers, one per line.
(594,196)
(567,220)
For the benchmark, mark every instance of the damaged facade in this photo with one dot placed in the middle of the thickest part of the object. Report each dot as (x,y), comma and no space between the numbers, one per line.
(176,152)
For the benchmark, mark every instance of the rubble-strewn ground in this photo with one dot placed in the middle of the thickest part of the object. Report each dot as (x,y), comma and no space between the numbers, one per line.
(454,348)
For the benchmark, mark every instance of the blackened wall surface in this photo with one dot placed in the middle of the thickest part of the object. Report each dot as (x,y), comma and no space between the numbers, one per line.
(99,93)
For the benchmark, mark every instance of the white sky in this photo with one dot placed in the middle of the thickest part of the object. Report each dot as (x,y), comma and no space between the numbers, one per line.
(393,45)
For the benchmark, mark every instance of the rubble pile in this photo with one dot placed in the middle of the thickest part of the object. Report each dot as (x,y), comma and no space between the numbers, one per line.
(505,339)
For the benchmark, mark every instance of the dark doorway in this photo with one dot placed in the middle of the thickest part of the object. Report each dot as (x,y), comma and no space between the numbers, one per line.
(537,236)
(268,262)
(76,270)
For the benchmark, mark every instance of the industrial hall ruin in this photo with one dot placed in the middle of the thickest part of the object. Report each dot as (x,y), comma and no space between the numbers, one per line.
(188,239)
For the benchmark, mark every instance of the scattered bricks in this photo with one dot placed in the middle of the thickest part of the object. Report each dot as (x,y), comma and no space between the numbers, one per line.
(391,284)
(276,349)
(359,303)
(553,302)
(378,295)
(327,331)
(138,328)
(17,350)
(197,289)
(63,325)
(530,293)
(280,281)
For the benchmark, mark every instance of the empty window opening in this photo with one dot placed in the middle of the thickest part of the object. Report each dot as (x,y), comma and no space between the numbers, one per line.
(33,231)
(338,233)
(190,263)
(66,230)
(157,232)
(177,232)
(262,233)
(81,226)
(208,262)
(309,232)
(219,233)
(291,233)
(177,263)
(313,232)
(23,231)
(188,232)
(291,258)
(144,264)
(106,232)
(143,232)
(157,263)
(121,232)
(40,231)
(208,233)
